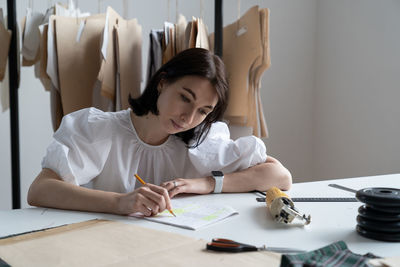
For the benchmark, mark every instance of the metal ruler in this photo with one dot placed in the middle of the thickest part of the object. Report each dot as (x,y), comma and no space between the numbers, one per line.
(324,199)
(316,199)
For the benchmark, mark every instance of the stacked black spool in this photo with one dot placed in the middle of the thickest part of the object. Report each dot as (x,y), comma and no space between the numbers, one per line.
(379,218)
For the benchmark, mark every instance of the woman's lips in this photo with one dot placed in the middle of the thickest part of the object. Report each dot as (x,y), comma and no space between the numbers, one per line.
(176,126)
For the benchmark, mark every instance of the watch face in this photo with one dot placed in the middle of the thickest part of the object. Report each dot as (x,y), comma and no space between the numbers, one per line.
(217,173)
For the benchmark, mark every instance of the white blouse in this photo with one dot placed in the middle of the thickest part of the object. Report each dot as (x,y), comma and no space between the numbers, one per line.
(103,149)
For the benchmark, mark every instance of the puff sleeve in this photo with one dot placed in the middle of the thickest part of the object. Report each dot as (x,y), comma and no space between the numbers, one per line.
(80,146)
(219,152)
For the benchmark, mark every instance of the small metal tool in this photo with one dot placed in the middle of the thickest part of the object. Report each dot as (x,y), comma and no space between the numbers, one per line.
(282,208)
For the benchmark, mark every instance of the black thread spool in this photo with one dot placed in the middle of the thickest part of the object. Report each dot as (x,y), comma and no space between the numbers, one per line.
(379,218)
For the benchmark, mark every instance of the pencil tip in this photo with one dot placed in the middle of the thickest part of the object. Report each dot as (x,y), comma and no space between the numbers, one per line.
(170,211)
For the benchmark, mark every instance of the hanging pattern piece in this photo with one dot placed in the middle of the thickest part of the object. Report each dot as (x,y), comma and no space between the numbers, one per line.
(246,55)
(96,60)
(5,38)
(52,64)
(128,37)
(120,73)
(31,37)
(78,62)
(85,60)
(108,68)
(174,38)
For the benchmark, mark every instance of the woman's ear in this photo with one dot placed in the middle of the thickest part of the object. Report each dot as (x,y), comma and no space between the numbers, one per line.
(160,86)
(161,83)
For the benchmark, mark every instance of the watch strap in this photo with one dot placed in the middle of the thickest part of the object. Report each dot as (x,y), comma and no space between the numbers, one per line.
(219,181)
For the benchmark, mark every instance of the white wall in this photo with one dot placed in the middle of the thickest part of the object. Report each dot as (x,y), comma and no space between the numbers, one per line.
(288,85)
(318,126)
(357,89)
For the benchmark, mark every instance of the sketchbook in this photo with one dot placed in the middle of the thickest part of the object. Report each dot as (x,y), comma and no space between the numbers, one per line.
(193,215)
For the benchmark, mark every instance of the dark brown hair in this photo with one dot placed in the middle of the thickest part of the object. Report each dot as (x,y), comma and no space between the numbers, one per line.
(193,61)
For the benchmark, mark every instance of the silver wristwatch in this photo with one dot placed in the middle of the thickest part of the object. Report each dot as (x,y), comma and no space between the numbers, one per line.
(219,180)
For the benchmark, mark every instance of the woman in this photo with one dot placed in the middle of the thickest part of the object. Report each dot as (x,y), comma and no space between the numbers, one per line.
(171,138)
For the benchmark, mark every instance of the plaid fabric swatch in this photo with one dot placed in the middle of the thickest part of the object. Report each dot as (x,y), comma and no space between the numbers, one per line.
(4,264)
(336,254)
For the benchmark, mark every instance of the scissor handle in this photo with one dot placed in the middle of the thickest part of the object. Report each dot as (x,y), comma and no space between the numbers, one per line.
(224,240)
(220,244)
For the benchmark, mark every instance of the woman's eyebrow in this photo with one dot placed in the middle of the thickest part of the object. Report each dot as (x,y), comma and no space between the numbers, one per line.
(190,92)
(194,96)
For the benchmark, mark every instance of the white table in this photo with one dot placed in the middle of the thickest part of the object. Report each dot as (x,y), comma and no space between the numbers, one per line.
(331,221)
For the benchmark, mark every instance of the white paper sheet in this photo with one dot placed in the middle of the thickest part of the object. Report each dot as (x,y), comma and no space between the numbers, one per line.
(31,40)
(105,38)
(193,215)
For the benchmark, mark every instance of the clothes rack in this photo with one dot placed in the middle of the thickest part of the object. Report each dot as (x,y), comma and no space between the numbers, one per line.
(14,118)
(14,84)
(218,41)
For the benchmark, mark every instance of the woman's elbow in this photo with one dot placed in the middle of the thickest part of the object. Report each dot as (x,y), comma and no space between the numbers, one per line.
(285,179)
(275,174)
(32,197)
(38,186)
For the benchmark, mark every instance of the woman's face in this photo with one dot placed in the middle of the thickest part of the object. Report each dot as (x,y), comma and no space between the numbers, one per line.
(185,103)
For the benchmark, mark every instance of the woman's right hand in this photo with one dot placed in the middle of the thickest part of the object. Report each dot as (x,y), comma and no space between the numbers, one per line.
(149,200)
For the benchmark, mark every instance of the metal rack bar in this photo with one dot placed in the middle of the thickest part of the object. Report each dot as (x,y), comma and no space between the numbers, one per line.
(218,40)
(14,118)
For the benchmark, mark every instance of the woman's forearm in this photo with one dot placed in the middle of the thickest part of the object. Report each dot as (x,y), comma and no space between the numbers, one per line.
(48,190)
(259,177)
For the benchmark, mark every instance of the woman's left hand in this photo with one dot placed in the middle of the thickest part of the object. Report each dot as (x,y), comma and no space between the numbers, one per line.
(194,185)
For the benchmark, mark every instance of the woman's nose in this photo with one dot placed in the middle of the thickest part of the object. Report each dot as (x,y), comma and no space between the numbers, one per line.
(188,116)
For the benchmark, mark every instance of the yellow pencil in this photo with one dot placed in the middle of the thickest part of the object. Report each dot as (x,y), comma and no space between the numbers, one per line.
(144,183)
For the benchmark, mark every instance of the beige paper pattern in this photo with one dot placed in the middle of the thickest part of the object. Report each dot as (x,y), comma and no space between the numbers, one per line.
(193,33)
(78,62)
(107,74)
(169,42)
(55,96)
(385,262)
(181,43)
(240,51)
(55,107)
(266,63)
(246,54)
(106,243)
(129,59)
(44,78)
(5,39)
(202,35)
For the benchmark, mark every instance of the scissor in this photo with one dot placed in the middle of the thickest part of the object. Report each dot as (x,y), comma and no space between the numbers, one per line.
(227,245)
